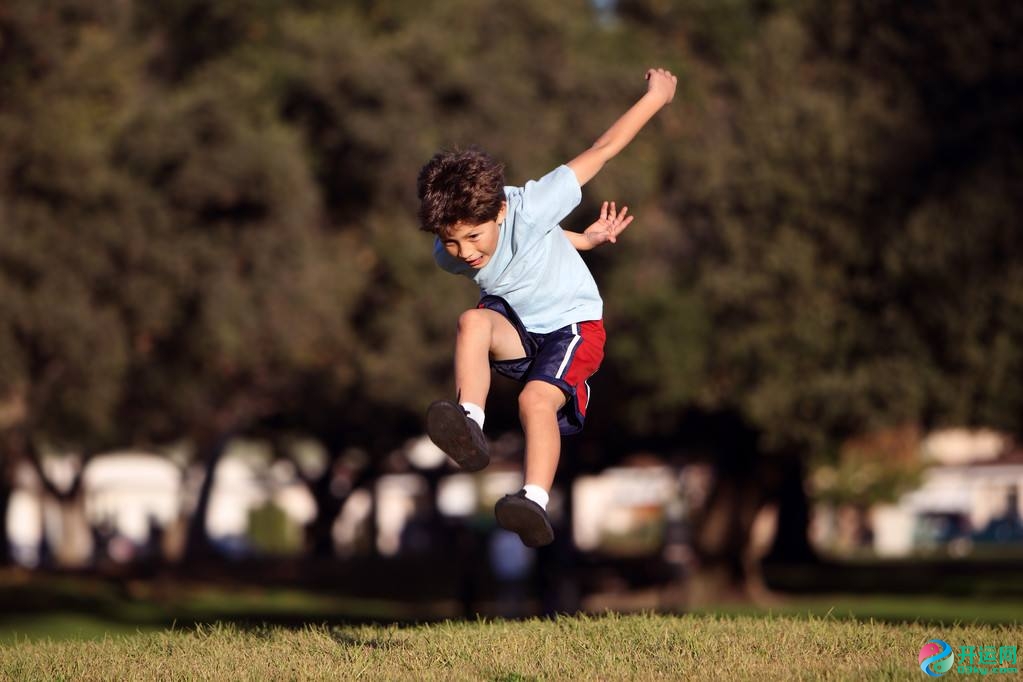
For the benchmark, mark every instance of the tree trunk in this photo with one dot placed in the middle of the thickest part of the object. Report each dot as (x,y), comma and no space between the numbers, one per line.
(66,529)
(329,503)
(328,506)
(726,566)
(10,455)
(197,542)
(5,500)
(13,412)
(792,538)
(70,537)
(725,563)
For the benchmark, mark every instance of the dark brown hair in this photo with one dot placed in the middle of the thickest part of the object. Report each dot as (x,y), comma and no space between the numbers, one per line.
(459,187)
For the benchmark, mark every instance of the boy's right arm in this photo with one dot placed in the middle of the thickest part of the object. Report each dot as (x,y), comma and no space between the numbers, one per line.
(660,91)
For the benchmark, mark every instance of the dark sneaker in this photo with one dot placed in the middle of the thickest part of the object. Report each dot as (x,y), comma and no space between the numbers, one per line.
(526,518)
(450,428)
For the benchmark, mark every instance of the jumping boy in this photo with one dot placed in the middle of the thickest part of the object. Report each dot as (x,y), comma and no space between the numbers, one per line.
(539,318)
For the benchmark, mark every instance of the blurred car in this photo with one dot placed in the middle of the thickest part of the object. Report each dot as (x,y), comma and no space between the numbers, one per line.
(1005,530)
(950,531)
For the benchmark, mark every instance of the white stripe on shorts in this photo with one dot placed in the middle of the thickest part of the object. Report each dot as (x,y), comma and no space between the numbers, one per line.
(568,353)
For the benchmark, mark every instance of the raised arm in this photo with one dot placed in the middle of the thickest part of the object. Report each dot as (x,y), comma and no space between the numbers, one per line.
(660,91)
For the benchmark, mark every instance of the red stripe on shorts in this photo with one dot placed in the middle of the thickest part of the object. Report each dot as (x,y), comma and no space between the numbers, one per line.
(588,356)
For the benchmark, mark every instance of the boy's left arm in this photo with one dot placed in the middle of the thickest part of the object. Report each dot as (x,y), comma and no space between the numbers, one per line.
(660,91)
(605,229)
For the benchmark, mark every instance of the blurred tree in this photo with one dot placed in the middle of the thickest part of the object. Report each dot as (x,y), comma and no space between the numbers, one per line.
(199,287)
(191,34)
(63,351)
(869,470)
(262,312)
(953,261)
(844,298)
(208,225)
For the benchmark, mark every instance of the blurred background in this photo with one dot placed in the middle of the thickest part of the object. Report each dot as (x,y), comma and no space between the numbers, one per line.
(220,325)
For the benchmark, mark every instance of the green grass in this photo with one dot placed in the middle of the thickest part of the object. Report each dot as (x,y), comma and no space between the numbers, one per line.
(925,609)
(638,647)
(59,608)
(67,625)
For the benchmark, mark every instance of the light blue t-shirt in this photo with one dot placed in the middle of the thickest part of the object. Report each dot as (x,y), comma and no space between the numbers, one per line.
(535,268)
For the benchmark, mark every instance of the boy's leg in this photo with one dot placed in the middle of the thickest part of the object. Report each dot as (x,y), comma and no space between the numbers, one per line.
(524,513)
(557,376)
(539,403)
(482,333)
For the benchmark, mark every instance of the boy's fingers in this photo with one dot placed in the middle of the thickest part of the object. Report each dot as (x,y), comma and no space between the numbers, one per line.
(603,211)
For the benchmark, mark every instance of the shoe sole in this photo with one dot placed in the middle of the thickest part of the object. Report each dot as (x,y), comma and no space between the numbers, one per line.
(447,426)
(521,518)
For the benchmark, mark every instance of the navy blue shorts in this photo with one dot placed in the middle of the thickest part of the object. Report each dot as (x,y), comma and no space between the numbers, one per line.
(565,357)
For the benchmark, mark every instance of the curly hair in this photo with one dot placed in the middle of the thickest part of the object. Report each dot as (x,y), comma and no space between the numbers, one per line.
(459,187)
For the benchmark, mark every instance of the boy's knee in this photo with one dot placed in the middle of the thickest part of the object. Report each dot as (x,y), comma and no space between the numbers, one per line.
(473,320)
(540,396)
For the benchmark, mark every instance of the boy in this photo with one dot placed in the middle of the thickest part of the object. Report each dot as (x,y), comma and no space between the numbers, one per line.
(539,319)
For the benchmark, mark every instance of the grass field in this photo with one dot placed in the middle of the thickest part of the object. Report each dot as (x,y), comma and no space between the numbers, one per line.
(637,647)
(74,627)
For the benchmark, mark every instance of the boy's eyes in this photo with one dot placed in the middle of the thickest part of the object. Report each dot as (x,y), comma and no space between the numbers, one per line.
(470,238)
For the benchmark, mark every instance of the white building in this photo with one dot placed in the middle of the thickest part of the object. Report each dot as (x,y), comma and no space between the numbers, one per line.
(129,493)
(977,480)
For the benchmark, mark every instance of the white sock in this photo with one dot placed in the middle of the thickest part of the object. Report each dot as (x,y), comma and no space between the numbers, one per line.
(475,412)
(537,494)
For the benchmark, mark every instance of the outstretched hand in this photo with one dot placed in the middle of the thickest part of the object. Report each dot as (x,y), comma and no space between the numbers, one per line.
(661,82)
(609,225)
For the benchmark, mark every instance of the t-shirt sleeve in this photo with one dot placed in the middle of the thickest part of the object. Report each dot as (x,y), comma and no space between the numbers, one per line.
(546,202)
(446,261)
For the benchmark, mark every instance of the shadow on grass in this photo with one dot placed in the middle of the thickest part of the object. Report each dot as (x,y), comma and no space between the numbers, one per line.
(63,606)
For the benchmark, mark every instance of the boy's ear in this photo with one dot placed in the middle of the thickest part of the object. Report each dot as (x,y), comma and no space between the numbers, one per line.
(502,213)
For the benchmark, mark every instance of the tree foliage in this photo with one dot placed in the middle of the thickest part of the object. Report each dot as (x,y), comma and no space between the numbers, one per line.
(868,263)
(207,210)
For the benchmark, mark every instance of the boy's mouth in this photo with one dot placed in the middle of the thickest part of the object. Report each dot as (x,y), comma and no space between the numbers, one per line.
(475,262)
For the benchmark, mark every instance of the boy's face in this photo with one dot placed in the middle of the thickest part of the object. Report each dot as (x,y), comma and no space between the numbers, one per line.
(474,243)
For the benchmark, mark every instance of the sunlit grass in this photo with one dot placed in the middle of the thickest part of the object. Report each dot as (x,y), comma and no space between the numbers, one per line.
(640,647)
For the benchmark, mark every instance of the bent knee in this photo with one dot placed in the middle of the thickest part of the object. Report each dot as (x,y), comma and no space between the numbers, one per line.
(475,319)
(540,396)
